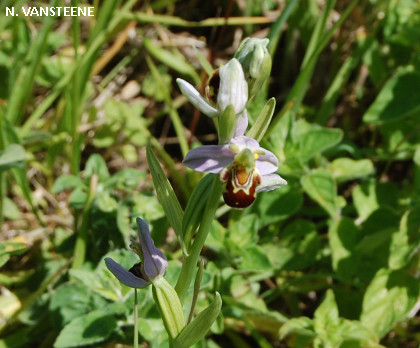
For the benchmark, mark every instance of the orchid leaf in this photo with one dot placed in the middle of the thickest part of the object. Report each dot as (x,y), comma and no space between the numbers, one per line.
(200,325)
(166,195)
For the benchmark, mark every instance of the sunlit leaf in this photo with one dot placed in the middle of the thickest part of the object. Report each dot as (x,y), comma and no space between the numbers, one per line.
(398,98)
(388,299)
(320,186)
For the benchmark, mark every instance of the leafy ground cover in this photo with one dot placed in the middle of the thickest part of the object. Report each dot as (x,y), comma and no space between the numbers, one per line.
(330,260)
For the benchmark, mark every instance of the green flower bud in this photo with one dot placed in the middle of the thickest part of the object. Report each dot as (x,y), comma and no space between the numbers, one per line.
(256,62)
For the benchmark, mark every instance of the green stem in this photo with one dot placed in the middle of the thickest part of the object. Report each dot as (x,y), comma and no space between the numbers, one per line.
(82,233)
(136,321)
(190,261)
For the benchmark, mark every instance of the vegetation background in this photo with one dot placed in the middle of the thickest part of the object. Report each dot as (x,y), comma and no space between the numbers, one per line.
(331,260)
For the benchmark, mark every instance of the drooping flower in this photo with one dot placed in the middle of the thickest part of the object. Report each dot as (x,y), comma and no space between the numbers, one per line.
(153,262)
(244,166)
(227,87)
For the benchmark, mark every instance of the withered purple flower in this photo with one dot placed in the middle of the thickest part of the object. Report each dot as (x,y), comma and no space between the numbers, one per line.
(153,262)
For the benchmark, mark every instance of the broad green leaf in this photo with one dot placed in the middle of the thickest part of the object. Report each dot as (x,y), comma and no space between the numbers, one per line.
(388,300)
(127,179)
(66,182)
(10,209)
(406,242)
(320,186)
(316,140)
(298,246)
(344,169)
(399,98)
(369,196)
(326,315)
(343,236)
(243,233)
(268,322)
(69,301)
(356,335)
(12,156)
(277,205)
(150,328)
(166,196)
(78,198)
(364,199)
(255,259)
(200,325)
(301,325)
(260,126)
(147,207)
(94,327)
(96,165)
(105,202)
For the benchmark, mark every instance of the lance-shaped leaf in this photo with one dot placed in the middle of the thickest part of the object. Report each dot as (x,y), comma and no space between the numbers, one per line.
(169,306)
(166,195)
(194,209)
(201,324)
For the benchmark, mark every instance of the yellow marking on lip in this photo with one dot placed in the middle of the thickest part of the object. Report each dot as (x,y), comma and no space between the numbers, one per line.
(242,176)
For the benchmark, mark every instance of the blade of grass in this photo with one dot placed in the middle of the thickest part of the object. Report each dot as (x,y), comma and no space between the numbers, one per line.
(23,85)
(339,81)
(277,28)
(208,22)
(173,113)
(299,88)
(175,61)
(58,89)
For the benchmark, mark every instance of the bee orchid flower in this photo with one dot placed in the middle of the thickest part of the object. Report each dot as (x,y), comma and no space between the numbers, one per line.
(226,87)
(243,165)
(153,262)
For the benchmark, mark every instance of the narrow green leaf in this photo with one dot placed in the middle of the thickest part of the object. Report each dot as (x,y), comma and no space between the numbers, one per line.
(170,307)
(201,324)
(166,196)
(194,210)
(175,60)
(259,128)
